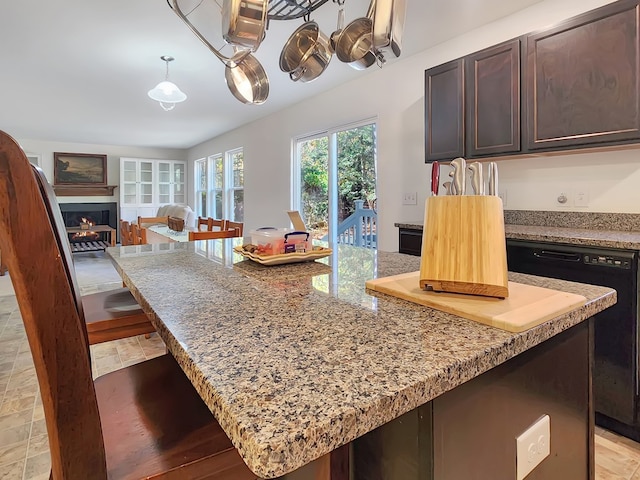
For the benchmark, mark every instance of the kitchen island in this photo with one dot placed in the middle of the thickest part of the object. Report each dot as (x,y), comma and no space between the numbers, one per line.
(297,361)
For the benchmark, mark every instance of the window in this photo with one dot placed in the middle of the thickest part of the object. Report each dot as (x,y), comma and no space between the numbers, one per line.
(220,186)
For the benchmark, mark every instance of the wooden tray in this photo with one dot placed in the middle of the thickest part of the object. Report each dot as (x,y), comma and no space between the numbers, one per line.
(285,258)
(526,306)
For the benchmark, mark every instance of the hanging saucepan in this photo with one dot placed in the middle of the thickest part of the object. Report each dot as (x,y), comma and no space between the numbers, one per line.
(306,54)
(245,77)
(354,44)
(244,22)
(247,80)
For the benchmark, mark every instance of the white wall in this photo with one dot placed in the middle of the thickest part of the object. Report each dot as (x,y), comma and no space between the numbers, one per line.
(45,151)
(395,95)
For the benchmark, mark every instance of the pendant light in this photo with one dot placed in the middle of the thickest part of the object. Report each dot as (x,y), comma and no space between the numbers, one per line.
(166,92)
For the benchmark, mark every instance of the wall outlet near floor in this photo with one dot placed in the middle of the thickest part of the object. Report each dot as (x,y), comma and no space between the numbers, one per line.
(533,446)
(410,198)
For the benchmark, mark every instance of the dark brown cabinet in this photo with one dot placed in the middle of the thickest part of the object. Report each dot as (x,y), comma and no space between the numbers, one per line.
(582,80)
(444,111)
(492,78)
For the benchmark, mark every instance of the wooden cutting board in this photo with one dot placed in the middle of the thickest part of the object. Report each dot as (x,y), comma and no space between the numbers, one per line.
(526,306)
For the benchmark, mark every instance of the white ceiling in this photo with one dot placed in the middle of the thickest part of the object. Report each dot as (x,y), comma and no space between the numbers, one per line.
(79,70)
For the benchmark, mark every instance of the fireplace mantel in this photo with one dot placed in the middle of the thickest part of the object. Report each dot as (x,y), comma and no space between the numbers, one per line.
(83,190)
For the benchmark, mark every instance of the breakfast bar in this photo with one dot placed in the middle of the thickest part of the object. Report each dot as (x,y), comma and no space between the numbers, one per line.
(297,361)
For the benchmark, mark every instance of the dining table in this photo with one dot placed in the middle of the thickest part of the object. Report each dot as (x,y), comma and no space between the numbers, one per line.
(313,376)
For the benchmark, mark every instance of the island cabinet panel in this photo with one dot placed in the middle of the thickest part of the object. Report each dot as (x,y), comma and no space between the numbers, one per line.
(492,78)
(444,111)
(475,426)
(470,432)
(582,80)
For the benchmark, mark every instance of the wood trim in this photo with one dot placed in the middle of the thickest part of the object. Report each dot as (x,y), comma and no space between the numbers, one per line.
(84,190)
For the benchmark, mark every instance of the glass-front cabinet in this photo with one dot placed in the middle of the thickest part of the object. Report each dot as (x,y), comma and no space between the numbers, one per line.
(146,185)
(171,182)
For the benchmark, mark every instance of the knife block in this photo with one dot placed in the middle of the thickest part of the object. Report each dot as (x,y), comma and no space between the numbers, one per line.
(463,246)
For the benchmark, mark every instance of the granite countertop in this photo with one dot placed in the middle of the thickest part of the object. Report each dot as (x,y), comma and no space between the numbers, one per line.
(297,360)
(605,230)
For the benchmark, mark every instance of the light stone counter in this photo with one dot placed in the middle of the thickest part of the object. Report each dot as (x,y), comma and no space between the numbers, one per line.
(297,360)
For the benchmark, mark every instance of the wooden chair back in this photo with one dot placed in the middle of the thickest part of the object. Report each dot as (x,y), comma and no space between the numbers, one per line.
(213,235)
(239,226)
(138,234)
(125,233)
(210,223)
(44,282)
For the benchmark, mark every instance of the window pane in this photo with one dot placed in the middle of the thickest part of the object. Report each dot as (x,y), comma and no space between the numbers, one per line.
(202,204)
(356,169)
(238,169)
(314,184)
(217,209)
(218,172)
(238,206)
(202,174)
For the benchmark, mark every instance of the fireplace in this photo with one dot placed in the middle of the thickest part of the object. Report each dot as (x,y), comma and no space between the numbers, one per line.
(75,214)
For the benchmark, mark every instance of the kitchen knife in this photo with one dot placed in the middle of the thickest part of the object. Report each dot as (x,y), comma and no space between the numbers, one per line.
(459,171)
(447,186)
(493,178)
(435,178)
(477,180)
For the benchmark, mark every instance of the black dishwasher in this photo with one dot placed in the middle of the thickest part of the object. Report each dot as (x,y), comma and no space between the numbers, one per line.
(615,371)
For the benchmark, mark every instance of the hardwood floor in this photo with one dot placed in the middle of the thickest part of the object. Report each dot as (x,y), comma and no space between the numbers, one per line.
(24,449)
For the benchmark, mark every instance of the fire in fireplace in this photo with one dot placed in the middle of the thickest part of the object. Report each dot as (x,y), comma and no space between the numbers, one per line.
(81,214)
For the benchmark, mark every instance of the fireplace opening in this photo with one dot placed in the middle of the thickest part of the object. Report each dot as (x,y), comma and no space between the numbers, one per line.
(85,216)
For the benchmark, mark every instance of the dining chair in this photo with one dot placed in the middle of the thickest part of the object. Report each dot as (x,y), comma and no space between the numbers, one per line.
(138,234)
(125,233)
(210,223)
(239,226)
(142,421)
(213,235)
(110,314)
(206,221)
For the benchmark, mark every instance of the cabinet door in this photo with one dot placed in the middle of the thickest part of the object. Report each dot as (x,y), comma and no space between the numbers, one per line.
(164,183)
(444,111)
(492,84)
(178,176)
(145,184)
(128,182)
(582,80)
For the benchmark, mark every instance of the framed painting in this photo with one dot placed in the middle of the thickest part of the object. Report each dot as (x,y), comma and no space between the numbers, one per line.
(79,169)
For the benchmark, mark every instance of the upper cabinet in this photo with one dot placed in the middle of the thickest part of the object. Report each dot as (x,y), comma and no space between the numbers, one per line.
(582,80)
(444,111)
(493,100)
(472,105)
(575,85)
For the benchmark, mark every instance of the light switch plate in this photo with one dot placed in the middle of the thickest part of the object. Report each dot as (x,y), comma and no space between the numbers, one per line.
(533,446)
(410,198)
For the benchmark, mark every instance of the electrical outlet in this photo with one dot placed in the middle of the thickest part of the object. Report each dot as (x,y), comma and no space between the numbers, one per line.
(533,446)
(410,198)
(581,198)
(503,195)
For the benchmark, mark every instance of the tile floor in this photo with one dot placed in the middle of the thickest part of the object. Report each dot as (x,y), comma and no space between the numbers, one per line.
(24,449)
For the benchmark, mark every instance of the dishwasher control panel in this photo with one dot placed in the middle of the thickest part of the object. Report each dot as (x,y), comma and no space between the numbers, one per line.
(607,261)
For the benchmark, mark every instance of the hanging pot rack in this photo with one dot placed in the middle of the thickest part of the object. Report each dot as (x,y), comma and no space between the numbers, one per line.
(292,9)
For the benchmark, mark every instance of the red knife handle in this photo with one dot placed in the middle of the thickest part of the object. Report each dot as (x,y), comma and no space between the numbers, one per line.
(435,177)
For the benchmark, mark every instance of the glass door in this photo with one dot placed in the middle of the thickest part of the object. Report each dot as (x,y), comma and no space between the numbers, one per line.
(177,182)
(335,185)
(164,183)
(146,183)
